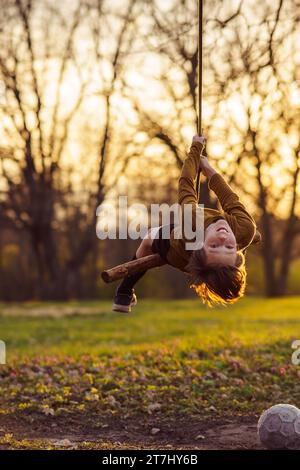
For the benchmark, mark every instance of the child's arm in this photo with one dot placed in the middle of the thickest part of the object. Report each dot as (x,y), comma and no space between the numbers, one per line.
(187,191)
(241,222)
(228,199)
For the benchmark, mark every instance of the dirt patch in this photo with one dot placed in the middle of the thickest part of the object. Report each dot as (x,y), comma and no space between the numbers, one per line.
(50,311)
(134,434)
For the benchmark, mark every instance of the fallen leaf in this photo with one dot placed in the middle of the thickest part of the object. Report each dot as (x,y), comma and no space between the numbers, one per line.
(154,431)
(48,411)
(65,443)
(212,408)
(154,407)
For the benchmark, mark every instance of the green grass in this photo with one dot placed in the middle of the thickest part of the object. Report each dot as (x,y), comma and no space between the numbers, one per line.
(186,361)
(91,328)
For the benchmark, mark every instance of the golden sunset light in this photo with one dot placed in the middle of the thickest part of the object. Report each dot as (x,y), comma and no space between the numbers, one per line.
(149,230)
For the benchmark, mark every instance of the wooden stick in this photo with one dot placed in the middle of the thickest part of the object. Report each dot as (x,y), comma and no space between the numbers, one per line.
(132,267)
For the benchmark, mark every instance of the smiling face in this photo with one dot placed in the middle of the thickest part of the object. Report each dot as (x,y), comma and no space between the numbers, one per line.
(220,244)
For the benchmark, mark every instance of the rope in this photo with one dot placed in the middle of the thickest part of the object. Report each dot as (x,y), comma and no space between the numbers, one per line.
(200,36)
(200,48)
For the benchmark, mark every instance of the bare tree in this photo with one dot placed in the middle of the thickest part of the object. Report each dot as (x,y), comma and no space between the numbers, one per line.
(250,111)
(172,36)
(261,127)
(250,72)
(110,163)
(35,136)
(38,114)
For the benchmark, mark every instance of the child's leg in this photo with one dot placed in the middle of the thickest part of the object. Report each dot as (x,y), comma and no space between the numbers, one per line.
(144,249)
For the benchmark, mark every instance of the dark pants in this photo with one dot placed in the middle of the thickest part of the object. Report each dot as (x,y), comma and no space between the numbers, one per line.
(159,245)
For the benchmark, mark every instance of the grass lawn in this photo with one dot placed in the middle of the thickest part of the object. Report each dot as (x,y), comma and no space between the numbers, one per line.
(171,373)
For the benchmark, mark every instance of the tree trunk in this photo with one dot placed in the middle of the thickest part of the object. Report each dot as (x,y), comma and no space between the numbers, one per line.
(268,257)
(286,255)
(49,272)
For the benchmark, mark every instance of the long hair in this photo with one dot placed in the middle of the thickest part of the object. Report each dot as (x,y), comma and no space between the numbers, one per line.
(217,283)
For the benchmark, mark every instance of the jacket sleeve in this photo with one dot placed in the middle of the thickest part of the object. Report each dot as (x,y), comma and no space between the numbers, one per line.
(187,191)
(239,219)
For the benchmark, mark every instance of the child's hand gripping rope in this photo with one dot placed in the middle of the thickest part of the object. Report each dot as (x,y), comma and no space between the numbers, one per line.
(199,138)
(206,168)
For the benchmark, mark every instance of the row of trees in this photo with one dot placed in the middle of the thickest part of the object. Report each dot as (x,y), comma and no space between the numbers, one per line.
(95,96)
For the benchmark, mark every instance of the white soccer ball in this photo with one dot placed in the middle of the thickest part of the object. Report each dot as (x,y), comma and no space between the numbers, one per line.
(279,427)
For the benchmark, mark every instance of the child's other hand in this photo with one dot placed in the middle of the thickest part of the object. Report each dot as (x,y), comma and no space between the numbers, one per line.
(206,168)
(199,138)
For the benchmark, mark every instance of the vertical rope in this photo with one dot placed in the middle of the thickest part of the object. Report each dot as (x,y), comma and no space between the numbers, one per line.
(200,48)
(200,38)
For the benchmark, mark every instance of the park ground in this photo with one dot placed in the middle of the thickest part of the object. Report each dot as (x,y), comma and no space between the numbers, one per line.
(171,375)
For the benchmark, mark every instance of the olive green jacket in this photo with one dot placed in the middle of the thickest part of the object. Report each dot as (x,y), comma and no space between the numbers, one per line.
(233,211)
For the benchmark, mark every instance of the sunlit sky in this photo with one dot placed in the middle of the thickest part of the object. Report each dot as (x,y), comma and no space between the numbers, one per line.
(141,72)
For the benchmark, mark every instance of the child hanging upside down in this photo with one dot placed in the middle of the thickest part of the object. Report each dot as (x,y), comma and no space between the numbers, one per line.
(216,271)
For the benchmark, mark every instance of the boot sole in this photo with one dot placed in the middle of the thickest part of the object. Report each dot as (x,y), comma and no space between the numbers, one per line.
(121,308)
(124,308)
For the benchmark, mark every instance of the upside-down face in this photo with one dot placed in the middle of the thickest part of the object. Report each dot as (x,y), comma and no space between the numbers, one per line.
(220,244)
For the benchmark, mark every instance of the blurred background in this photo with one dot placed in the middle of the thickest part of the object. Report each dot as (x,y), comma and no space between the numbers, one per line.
(98,99)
